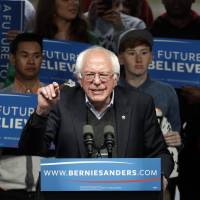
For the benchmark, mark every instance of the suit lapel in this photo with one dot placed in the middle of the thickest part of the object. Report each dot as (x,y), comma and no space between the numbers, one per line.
(123,117)
(78,111)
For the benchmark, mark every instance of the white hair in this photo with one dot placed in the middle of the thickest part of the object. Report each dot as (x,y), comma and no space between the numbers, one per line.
(82,55)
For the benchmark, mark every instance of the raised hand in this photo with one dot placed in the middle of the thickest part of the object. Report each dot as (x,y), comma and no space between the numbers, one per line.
(47,97)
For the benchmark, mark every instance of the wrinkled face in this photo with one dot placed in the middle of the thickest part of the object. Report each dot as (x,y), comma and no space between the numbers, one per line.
(98,79)
(136,60)
(27,60)
(177,8)
(67,9)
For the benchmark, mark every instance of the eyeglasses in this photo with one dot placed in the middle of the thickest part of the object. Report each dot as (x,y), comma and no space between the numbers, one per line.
(90,76)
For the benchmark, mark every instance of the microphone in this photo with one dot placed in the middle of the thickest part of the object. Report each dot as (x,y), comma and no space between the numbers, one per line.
(88,137)
(109,139)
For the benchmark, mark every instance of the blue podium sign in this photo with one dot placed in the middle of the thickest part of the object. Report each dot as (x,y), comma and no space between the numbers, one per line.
(14,112)
(176,61)
(8,21)
(59,60)
(117,174)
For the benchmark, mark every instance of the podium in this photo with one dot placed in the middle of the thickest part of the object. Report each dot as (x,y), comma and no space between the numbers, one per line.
(116,178)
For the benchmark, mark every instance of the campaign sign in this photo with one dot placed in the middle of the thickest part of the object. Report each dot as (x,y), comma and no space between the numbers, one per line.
(176,61)
(15,109)
(59,60)
(11,18)
(117,174)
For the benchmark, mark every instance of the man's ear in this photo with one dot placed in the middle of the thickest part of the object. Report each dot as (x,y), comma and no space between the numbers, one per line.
(12,59)
(116,79)
(79,80)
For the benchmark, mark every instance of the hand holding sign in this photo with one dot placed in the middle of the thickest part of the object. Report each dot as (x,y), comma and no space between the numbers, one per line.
(12,34)
(172,138)
(47,97)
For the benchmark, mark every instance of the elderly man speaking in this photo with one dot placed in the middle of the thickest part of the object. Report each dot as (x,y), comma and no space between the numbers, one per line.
(62,114)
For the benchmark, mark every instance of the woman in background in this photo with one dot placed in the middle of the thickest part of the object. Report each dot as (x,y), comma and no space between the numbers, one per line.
(62,20)
(137,8)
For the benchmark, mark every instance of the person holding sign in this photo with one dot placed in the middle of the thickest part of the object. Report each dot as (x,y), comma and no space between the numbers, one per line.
(135,55)
(61,117)
(106,21)
(62,20)
(19,173)
(180,21)
(28,26)
(29,20)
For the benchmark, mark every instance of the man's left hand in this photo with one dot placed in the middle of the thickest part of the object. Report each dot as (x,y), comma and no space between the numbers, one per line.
(172,139)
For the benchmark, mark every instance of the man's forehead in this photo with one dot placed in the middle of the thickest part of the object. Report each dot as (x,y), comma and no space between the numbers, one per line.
(97,66)
(28,46)
(139,47)
(97,56)
(29,51)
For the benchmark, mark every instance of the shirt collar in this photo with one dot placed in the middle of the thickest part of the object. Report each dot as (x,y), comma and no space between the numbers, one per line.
(147,82)
(97,114)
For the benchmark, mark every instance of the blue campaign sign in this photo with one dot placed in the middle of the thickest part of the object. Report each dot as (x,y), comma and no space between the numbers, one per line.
(15,109)
(117,174)
(11,18)
(59,60)
(176,61)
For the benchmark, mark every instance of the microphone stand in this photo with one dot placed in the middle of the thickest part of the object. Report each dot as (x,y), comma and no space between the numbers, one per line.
(88,137)
(109,139)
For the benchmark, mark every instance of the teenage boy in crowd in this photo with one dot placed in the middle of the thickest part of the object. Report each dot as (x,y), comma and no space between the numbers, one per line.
(135,55)
(62,113)
(182,22)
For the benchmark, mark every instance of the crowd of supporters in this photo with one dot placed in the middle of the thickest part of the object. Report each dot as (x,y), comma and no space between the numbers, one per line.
(99,23)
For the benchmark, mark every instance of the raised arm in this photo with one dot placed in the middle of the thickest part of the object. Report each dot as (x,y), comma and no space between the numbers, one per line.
(34,139)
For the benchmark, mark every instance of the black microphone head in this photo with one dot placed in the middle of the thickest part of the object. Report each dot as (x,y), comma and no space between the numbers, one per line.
(109,139)
(88,130)
(109,130)
(88,138)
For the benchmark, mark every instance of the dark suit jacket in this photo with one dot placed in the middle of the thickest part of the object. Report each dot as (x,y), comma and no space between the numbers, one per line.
(138,135)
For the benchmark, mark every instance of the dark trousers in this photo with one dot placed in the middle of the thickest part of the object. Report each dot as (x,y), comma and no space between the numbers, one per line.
(189,175)
(172,183)
(16,195)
